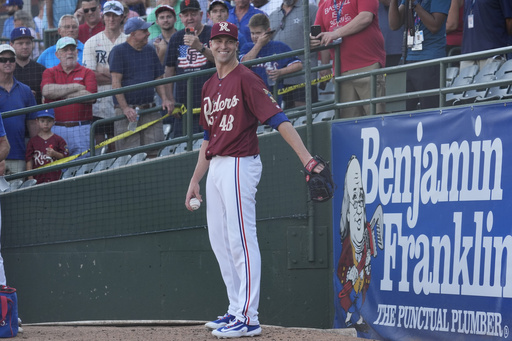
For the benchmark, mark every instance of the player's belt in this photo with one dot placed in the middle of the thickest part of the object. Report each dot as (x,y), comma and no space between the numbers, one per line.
(72,124)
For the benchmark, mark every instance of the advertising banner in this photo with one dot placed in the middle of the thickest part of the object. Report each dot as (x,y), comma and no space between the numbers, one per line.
(422,225)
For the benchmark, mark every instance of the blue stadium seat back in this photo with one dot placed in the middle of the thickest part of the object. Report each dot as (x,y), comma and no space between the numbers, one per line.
(470,96)
(324,116)
(197,144)
(182,147)
(28,183)
(451,73)
(167,150)
(70,172)
(86,168)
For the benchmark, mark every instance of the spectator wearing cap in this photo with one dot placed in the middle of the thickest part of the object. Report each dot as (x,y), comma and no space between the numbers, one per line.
(240,16)
(155,29)
(218,11)
(45,147)
(68,27)
(188,52)
(96,52)
(11,7)
(23,19)
(69,80)
(165,19)
(93,23)
(27,71)
(14,95)
(134,62)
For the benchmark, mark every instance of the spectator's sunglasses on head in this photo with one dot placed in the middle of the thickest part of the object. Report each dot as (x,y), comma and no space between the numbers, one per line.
(8,59)
(111,6)
(93,9)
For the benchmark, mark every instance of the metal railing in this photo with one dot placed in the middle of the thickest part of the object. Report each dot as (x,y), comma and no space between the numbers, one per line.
(292,113)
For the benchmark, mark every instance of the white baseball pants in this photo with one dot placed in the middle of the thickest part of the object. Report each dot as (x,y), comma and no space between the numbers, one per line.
(231,215)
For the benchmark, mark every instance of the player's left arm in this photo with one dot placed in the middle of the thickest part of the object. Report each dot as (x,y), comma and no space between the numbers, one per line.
(291,136)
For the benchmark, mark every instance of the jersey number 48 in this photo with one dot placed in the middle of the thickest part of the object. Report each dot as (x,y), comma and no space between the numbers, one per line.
(226,124)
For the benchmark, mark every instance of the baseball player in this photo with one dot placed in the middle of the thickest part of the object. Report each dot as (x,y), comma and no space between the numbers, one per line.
(234,100)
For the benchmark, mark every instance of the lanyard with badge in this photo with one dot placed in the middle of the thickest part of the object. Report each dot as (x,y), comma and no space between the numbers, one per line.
(338,11)
(471,22)
(415,38)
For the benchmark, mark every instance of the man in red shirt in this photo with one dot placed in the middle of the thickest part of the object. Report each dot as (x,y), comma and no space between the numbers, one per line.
(93,22)
(362,49)
(69,80)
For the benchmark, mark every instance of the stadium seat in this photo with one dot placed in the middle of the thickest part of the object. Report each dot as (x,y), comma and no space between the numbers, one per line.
(120,161)
(28,183)
(137,158)
(86,169)
(167,131)
(486,74)
(103,165)
(14,185)
(324,116)
(167,150)
(451,74)
(499,92)
(197,144)
(300,121)
(465,77)
(182,147)
(70,172)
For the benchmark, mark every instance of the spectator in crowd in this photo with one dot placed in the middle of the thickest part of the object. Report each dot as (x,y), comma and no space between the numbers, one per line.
(165,19)
(136,6)
(12,6)
(240,16)
(392,39)
(155,30)
(267,6)
(189,52)
(362,49)
(487,25)
(55,9)
(70,80)
(68,27)
(429,42)
(38,19)
(287,22)
(218,11)
(263,46)
(15,95)
(45,147)
(93,22)
(454,27)
(23,19)
(135,62)
(27,71)
(96,52)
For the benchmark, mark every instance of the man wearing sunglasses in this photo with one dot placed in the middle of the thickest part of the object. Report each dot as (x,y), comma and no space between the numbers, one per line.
(15,95)
(93,22)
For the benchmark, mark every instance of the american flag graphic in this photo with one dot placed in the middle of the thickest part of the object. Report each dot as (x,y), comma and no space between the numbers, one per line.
(190,58)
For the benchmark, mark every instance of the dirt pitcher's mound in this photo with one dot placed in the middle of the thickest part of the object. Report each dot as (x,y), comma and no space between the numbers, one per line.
(153,331)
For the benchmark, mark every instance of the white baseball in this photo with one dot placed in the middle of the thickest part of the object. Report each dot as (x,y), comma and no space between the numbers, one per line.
(194,203)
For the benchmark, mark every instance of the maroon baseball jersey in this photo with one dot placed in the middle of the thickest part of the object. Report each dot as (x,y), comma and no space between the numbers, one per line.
(36,151)
(230,112)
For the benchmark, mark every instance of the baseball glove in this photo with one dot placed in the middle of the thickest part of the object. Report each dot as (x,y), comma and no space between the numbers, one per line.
(321,186)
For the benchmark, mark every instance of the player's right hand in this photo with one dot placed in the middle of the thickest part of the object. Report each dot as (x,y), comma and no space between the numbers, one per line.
(192,192)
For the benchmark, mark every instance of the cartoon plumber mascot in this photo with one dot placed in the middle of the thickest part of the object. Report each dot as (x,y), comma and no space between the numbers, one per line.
(358,245)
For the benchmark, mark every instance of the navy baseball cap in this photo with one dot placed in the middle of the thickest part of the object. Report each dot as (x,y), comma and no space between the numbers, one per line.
(218,2)
(18,3)
(136,23)
(46,113)
(21,32)
(189,5)
(224,29)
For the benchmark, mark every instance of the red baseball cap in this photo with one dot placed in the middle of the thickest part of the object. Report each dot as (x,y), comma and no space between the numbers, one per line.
(162,8)
(224,28)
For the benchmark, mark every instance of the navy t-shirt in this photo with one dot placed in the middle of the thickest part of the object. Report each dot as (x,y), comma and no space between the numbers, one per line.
(136,67)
